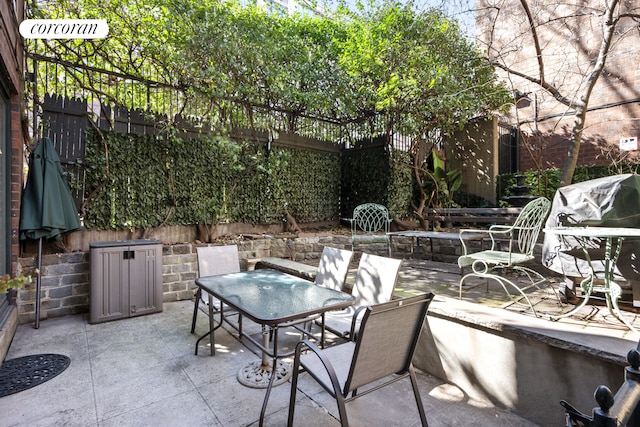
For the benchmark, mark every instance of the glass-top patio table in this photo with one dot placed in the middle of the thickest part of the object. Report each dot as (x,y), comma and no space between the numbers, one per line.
(613,238)
(274,300)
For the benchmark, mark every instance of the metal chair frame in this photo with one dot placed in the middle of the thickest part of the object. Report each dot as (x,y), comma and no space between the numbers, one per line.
(374,284)
(383,349)
(333,268)
(521,239)
(332,272)
(368,220)
(213,261)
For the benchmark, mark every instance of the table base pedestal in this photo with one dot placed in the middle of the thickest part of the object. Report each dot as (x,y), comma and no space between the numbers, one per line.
(257,374)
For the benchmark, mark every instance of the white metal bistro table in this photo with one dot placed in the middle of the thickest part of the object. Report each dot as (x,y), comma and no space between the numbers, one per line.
(613,237)
(274,300)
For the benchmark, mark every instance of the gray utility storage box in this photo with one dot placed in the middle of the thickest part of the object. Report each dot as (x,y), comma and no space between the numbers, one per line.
(126,279)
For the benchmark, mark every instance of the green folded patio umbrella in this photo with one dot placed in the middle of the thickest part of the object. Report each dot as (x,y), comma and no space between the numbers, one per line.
(47,209)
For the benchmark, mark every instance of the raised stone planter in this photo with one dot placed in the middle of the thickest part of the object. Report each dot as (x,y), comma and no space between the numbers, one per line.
(518,362)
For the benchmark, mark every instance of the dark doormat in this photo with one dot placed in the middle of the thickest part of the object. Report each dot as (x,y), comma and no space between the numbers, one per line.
(25,372)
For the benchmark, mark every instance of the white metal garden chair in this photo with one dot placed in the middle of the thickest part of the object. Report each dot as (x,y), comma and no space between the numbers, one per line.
(368,222)
(518,241)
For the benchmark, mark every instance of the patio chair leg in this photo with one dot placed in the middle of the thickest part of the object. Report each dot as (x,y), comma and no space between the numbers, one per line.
(195,310)
(342,409)
(537,279)
(503,282)
(294,387)
(416,394)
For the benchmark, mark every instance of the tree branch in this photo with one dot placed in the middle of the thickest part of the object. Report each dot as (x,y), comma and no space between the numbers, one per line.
(536,40)
(546,86)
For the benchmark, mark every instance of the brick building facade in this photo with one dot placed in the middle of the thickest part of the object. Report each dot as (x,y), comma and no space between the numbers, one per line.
(11,154)
(570,39)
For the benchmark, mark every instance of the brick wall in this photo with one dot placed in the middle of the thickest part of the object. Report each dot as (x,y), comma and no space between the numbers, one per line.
(11,60)
(569,50)
(11,70)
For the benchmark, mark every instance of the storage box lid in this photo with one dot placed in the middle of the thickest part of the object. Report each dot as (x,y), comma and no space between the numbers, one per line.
(138,242)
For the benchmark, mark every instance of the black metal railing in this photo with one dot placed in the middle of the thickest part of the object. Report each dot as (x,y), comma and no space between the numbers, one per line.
(153,96)
(612,411)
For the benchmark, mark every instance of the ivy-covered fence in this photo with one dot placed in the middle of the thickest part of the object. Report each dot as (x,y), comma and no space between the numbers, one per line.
(377,173)
(145,181)
(140,181)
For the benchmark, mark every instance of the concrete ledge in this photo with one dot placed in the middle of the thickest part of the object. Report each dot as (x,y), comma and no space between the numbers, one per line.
(305,271)
(370,238)
(521,363)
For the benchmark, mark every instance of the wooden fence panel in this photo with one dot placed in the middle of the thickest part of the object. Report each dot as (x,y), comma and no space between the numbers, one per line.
(138,123)
(65,123)
(104,121)
(120,119)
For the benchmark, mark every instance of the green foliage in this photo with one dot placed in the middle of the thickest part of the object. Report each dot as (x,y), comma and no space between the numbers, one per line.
(310,185)
(437,186)
(219,58)
(543,183)
(7,282)
(546,182)
(422,75)
(366,177)
(446,182)
(388,69)
(418,69)
(376,174)
(144,181)
(400,190)
(414,68)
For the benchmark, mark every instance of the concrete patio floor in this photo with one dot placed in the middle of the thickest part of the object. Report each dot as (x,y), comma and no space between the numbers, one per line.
(143,371)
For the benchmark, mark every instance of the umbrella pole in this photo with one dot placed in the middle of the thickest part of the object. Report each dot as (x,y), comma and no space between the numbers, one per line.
(38,285)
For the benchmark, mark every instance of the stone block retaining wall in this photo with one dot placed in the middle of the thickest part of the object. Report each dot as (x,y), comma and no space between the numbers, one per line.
(64,286)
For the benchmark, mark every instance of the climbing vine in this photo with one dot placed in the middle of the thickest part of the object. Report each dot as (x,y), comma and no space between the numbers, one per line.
(141,181)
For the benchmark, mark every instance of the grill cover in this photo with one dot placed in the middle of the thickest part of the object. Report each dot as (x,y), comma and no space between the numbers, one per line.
(607,202)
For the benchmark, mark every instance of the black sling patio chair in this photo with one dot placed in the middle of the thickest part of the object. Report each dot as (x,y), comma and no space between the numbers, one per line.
(383,349)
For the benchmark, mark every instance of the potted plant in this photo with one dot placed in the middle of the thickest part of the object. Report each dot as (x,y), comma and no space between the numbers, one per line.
(6,282)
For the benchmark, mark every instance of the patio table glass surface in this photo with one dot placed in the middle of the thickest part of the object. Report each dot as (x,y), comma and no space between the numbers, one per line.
(270,297)
(611,289)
